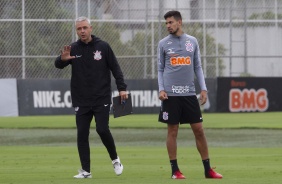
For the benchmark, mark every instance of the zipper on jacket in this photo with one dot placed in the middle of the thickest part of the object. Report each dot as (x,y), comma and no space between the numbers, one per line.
(87,51)
(179,42)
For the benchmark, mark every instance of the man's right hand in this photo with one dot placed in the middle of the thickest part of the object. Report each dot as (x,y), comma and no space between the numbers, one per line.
(163,95)
(65,54)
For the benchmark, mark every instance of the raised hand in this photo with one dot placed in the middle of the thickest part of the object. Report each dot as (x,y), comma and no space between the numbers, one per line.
(65,54)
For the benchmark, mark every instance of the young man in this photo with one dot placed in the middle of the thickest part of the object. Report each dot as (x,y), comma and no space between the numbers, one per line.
(92,62)
(178,60)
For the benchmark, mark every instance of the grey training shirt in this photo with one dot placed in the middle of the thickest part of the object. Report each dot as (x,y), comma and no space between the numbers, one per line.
(178,61)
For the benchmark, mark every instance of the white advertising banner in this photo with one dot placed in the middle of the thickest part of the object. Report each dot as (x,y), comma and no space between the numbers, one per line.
(53,97)
(8,97)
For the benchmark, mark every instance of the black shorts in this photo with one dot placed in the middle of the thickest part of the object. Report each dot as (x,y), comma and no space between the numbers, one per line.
(180,109)
(86,114)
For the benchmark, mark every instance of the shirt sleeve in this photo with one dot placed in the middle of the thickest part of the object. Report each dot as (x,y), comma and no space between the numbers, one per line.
(161,66)
(61,64)
(198,68)
(116,70)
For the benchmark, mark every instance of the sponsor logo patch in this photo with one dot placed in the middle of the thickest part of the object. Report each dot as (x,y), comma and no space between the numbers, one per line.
(170,51)
(76,109)
(169,42)
(180,89)
(176,61)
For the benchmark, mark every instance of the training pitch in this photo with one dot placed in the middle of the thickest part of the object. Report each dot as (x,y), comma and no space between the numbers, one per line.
(244,147)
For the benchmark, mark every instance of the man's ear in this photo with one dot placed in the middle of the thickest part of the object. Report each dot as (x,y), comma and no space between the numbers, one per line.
(180,22)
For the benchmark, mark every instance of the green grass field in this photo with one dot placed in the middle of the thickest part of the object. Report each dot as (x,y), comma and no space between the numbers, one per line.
(267,120)
(245,148)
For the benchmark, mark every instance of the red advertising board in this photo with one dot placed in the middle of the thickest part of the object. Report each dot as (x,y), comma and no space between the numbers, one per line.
(249,94)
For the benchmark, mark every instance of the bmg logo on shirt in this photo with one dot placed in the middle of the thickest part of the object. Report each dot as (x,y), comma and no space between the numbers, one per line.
(180,89)
(176,61)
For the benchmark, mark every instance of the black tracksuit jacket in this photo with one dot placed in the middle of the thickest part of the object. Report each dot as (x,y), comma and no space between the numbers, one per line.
(91,72)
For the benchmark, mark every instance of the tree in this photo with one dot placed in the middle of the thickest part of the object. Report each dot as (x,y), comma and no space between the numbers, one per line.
(45,38)
(10,33)
(111,33)
(196,31)
(192,29)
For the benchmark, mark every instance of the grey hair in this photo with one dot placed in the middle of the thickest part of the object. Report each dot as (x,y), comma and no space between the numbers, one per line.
(79,19)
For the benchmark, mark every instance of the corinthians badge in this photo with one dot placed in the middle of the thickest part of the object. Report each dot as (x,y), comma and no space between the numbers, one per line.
(97,55)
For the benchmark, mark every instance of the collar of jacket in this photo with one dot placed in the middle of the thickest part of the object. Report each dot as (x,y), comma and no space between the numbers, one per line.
(94,39)
(181,36)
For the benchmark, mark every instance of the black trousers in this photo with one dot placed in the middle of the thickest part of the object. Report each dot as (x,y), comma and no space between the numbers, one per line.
(84,116)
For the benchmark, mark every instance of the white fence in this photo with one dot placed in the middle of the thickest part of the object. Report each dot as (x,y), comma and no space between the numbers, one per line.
(237,38)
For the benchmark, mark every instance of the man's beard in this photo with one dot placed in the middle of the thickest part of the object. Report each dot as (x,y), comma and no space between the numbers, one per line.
(174,32)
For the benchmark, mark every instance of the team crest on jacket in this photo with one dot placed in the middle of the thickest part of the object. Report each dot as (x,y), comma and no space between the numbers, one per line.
(97,55)
(189,47)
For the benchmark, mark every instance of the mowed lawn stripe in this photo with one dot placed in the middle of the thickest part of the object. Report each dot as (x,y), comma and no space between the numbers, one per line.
(269,120)
(28,165)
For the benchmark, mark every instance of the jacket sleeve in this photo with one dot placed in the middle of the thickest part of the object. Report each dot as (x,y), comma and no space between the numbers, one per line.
(116,70)
(198,68)
(161,65)
(61,64)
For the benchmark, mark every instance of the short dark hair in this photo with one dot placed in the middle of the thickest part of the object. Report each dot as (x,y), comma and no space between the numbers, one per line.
(173,13)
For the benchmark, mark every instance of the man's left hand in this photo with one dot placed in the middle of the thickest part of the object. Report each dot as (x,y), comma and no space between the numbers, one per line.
(123,96)
(203,97)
